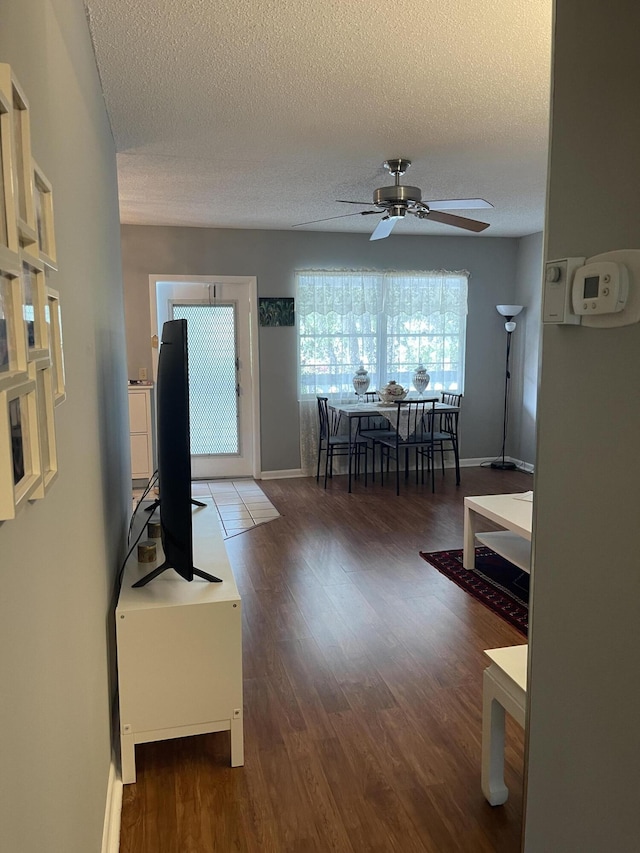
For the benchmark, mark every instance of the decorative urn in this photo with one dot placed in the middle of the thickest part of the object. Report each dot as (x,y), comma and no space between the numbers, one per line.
(421,379)
(361,380)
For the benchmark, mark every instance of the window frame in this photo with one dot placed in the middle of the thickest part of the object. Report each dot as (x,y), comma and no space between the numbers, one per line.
(384,333)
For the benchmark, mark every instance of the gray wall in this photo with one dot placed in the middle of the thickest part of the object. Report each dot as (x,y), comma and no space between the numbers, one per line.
(584,738)
(273,256)
(521,442)
(59,556)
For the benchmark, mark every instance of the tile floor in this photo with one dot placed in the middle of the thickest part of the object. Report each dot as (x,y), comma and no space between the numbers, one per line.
(241,504)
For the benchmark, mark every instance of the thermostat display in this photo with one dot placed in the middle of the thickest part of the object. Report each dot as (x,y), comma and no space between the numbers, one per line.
(591,286)
(600,287)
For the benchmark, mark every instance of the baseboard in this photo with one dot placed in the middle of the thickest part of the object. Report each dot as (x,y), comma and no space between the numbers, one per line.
(291,473)
(287,474)
(113,811)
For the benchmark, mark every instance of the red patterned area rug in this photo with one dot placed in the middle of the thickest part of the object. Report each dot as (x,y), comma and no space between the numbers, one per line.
(498,584)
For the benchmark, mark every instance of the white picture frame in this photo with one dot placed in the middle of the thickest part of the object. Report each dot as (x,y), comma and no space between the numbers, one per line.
(20,472)
(43,207)
(34,299)
(53,314)
(42,373)
(8,229)
(22,165)
(13,348)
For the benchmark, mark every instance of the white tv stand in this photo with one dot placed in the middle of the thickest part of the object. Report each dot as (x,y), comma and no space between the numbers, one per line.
(179,647)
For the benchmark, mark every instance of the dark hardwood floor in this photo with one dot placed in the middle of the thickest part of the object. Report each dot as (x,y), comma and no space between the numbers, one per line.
(363,678)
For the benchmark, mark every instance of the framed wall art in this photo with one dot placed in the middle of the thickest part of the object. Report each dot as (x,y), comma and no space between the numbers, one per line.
(278,311)
(42,373)
(33,308)
(13,349)
(43,203)
(8,228)
(31,357)
(23,170)
(20,472)
(53,317)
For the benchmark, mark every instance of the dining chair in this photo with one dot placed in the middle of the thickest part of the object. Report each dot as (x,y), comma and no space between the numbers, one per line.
(447,430)
(414,430)
(334,443)
(372,428)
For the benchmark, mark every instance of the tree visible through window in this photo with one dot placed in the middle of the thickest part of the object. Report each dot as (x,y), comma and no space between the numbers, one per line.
(389,321)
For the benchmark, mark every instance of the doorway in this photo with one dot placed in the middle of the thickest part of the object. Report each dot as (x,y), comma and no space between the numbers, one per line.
(221,314)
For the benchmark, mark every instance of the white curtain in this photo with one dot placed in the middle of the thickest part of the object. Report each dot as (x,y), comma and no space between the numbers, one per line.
(309,429)
(390,321)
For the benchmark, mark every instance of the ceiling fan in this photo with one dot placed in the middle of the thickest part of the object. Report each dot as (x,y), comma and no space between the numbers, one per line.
(398,200)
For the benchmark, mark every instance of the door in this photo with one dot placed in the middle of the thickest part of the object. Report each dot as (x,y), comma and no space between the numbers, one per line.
(223,382)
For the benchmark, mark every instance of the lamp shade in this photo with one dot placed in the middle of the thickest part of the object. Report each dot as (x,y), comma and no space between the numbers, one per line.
(510,326)
(509,310)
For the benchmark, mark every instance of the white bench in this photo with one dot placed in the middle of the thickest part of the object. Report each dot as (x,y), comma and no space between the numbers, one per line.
(504,688)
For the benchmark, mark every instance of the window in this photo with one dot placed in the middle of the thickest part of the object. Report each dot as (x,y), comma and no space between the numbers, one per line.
(390,321)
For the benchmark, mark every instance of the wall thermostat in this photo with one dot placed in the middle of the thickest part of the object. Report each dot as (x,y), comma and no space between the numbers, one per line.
(623,265)
(600,287)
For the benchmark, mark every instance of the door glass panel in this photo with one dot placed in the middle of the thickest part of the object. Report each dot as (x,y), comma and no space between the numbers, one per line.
(213,401)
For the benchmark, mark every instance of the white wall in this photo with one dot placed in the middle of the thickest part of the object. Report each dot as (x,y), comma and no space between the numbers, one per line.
(583,789)
(59,556)
(273,256)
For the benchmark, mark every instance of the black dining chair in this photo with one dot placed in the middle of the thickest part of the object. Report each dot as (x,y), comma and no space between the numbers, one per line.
(334,443)
(372,428)
(414,430)
(446,433)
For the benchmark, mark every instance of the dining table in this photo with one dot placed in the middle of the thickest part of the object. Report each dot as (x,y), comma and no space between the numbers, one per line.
(356,411)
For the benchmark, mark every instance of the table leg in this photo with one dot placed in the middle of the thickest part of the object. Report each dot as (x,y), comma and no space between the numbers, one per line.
(349,453)
(492,778)
(469,550)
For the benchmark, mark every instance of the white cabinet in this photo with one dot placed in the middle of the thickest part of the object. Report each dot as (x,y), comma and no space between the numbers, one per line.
(179,647)
(141,431)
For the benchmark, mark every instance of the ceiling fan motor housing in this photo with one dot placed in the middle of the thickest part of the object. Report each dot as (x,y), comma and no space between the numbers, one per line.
(398,194)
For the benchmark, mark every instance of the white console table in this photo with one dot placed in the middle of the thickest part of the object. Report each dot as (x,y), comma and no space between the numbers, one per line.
(514,514)
(504,688)
(179,647)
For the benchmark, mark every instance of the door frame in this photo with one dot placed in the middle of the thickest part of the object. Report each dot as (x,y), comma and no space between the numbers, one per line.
(245,281)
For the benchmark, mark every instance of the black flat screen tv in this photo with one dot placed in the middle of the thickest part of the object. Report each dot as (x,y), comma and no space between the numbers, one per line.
(174,456)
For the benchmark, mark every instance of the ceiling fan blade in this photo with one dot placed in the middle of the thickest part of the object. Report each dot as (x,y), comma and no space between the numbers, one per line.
(343,201)
(458,204)
(384,227)
(341,216)
(456,221)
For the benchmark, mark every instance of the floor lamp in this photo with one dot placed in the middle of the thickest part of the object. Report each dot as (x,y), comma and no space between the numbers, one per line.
(508,312)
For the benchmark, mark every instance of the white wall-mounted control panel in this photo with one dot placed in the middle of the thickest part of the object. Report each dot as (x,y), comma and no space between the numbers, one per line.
(601,292)
(557,305)
(600,287)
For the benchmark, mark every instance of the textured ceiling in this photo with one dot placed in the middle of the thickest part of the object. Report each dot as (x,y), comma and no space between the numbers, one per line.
(261,113)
